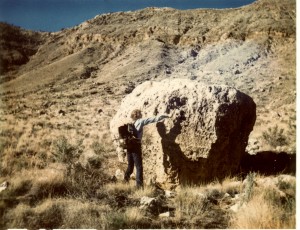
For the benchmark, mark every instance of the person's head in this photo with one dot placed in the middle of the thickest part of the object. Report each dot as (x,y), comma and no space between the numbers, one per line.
(136,114)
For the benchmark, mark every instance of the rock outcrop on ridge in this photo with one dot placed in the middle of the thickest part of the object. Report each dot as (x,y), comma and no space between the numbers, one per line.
(205,137)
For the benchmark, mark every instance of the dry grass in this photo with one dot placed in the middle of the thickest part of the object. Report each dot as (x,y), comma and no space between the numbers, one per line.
(256,214)
(135,217)
(272,205)
(124,199)
(78,214)
(58,213)
(148,191)
(189,202)
(259,213)
(119,187)
(232,186)
(37,183)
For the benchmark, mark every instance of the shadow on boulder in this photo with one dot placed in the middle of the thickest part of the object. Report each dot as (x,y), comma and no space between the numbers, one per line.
(172,152)
(269,163)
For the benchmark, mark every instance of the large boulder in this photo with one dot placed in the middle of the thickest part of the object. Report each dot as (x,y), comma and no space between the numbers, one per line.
(205,137)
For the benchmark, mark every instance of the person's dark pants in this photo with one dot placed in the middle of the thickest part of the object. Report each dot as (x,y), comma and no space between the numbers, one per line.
(134,157)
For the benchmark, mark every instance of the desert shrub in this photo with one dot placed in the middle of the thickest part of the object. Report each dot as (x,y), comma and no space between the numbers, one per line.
(98,148)
(66,152)
(275,137)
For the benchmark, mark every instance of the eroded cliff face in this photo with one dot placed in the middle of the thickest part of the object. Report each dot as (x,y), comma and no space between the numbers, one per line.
(205,136)
(259,20)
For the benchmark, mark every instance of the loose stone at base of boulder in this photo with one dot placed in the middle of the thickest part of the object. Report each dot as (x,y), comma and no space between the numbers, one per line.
(3,186)
(205,137)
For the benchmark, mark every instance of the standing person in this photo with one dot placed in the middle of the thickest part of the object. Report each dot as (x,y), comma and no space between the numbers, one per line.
(134,151)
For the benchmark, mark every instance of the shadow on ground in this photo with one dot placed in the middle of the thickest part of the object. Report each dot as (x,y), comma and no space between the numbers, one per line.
(269,163)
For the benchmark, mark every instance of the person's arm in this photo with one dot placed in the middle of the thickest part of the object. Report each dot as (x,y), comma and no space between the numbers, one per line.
(153,119)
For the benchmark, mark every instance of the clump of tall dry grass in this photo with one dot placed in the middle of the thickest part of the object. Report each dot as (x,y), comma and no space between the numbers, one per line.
(190,201)
(261,214)
(271,205)
(148,191)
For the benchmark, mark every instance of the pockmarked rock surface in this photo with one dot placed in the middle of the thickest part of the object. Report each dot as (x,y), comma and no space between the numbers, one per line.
(205,137)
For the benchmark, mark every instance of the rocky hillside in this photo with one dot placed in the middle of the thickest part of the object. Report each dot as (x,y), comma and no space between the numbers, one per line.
(17,45)
(71,82)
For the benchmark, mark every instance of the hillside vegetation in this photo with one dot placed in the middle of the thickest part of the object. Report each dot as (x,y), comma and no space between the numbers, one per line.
(59,91)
